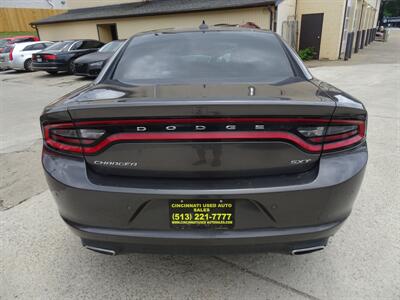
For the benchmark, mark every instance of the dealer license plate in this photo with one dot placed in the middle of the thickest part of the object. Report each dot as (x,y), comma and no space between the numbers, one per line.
(202,214)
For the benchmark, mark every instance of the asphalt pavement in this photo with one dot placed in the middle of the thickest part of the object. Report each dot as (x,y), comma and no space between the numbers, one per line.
(42,259)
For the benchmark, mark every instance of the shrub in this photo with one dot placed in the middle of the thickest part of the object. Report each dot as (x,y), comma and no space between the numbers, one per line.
(307,53)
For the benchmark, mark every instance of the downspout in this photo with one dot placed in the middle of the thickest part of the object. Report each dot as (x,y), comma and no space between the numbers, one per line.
(50,3)
(376,14)
(344,21)
(36,29)
(362,10)
(297,26)
(271,16)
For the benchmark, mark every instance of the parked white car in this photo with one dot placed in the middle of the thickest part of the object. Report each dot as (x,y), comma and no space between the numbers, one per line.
(20,57)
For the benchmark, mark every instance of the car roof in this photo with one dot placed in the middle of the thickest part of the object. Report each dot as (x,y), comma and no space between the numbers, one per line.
(21,37)
(11,38)
(77,40)
(31,43)
(24,44)
(206,28)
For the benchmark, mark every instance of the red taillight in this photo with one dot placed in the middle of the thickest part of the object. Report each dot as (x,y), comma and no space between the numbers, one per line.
(49,57)
(64,137)
(347,134)
(337,135)
(54,138)
(310,135)
(11,54)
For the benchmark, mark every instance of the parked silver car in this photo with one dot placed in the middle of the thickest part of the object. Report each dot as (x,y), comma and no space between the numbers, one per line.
(20,57)
(5,58)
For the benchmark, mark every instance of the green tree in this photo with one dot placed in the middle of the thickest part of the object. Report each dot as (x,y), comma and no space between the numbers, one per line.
(391,8)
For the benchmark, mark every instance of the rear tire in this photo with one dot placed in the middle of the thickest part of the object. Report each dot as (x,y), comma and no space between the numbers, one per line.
(71,67)
(28,65)
(52,72)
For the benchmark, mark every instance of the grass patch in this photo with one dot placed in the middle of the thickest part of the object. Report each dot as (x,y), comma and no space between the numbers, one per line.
(14,33)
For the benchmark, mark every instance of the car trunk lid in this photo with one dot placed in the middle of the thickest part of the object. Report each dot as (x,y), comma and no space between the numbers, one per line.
(48,56)
(192,131)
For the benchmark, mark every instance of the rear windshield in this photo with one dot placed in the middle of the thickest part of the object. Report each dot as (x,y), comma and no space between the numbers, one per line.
(3,43)
(111,46)
(206,57)
(59,46)
(7,49)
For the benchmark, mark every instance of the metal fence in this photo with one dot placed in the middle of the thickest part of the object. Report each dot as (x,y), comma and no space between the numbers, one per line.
(18,19)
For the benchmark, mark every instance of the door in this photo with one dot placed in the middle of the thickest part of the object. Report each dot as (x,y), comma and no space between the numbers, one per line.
(311,32)
(107,32)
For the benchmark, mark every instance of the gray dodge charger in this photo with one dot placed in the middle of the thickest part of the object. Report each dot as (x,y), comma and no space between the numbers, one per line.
(208,140)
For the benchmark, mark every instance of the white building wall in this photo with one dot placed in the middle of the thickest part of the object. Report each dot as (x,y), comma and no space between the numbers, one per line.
(378,5)
(286,11)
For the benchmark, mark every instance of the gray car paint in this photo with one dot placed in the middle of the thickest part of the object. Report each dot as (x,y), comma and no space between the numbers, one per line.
(123,212)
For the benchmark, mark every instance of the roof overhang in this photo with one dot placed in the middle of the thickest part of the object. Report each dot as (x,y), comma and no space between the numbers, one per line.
(150,8)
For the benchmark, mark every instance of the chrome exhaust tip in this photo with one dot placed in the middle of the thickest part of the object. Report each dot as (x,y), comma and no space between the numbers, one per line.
(307,250)
(101,250)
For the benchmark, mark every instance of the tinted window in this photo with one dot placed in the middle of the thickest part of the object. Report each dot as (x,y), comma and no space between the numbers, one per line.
(111,46)
(77,45)
(59,46)
(7,49)
(22,40)
(3,43)
(97,44)
(39,46)
(90,45)
(211,56)
(34,47)
(28,48)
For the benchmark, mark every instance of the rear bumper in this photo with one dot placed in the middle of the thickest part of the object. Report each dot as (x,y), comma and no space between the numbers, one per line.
(268,217)
(4,65)
(205,242)
(61,67)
